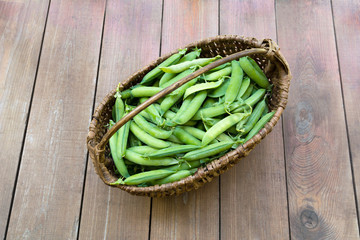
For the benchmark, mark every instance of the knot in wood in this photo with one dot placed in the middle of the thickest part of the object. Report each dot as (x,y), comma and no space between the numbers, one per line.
(309,219)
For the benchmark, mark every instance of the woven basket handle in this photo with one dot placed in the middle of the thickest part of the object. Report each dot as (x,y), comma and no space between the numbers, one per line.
(173,87)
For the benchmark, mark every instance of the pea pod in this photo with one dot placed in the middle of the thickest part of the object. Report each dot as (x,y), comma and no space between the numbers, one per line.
(150,128)
(235,83)
(175,177)
(218,74)
(186,65)
(259,125)
(252,100)
(207,151)
(185,166)
(248,92)
(216,110)
(219,67)
(185,137)
(144,177)
(221,126)
(252,69)
(178,77)
(209,102)
(157,70)
(153,113)
(145,161)
(143,150)
(145,91)
(134,141)
(188,57)
(171,115)
(220,91)
(118,161)
(198,133)
(254,117)
(195,104)
(172,151)
(201,87)
(126,94)
(147,138)
(170,100)
(119,107)
(244,86)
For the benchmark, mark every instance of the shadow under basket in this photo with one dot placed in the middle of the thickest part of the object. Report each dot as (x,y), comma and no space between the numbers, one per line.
(265,52)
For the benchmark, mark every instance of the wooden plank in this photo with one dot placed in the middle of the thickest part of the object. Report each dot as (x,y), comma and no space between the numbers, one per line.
(131,40)
(347,28)
(21,30)
(193,215)
(253,193)
(320,189)
(49,188)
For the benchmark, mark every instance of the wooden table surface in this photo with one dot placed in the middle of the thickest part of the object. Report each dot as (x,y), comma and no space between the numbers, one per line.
(59,58)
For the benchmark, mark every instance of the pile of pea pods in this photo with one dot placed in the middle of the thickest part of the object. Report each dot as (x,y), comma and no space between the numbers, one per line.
(197,123)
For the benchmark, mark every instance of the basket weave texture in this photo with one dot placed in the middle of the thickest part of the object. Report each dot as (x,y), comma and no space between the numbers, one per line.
(270,60)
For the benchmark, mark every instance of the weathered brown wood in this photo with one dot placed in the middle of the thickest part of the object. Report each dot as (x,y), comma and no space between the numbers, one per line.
(321,194)
(347,28)
(131,40)
(193,215)
(21,30)
(253,193)
(49,188)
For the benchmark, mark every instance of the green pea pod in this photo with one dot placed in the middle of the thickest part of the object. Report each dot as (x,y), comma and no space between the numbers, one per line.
(170,100)
(218,74)
(172,151)
(143,150)
(178,77)
(150,76)
(221,90)
(248,92)
(188,112)
(252,100)
(134,141)
(119,107)
(188,57)
(221,127)
(171,115)
(126,94)
(113,114)
(244,86)
(266,110)
(186,65)
(209,102)
(201,87)
(123,136)
(147,138)
(219,67)
(145,91)
(174,139)
(153,113)
(174,177)
(118,161)
(259,125)
(145,161)
(254,117)
(185,137)
(185,166)
(252,69)
(216,110)
(150,128)
(232,91)
(208,151)
(144,177)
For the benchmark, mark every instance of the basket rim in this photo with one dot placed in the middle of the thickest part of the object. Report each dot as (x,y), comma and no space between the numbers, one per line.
(227,160)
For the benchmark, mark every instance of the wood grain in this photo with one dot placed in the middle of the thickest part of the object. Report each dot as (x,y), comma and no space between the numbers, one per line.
(49,188)
(131,40)
(21,31)
(321,196)
(253,193)
(347,27)
(193,215)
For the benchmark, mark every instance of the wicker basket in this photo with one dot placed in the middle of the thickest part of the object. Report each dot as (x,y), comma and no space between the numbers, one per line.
(231,47)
